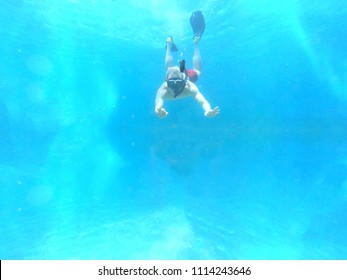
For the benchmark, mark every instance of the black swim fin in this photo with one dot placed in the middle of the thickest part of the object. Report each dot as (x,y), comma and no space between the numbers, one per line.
(173,46)
(197,22)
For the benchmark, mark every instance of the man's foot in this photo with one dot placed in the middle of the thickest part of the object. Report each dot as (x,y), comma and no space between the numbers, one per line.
(196,39)
(169,39)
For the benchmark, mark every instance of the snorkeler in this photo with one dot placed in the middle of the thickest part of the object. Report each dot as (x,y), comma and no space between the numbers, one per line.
(179,82)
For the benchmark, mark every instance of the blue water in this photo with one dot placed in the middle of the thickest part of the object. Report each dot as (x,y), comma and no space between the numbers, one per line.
(87,171)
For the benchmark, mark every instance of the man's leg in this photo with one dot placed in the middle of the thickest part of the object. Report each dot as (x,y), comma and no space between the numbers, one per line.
(168,56)
(197,58)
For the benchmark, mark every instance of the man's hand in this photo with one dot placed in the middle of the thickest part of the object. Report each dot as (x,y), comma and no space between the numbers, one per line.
(212,113)
(161,112)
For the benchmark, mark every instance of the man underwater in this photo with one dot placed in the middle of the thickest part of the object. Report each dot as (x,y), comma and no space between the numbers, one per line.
(179,82)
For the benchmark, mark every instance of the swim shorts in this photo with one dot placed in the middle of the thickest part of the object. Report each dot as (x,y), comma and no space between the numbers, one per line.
(193,75)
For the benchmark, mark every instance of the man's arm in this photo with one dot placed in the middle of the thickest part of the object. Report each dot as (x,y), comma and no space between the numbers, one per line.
(206,106)
(159,103)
